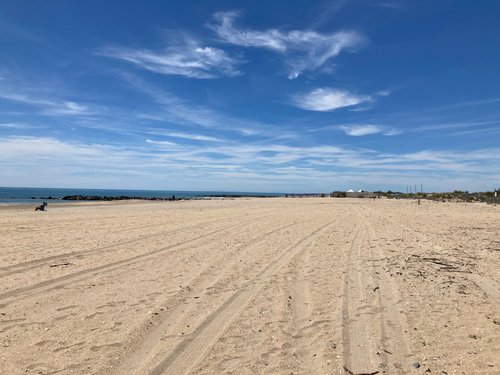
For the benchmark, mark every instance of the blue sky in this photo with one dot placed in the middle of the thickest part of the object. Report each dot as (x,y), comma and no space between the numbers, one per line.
(284,96)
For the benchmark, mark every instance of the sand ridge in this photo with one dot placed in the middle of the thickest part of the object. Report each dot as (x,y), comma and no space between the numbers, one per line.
(250,286)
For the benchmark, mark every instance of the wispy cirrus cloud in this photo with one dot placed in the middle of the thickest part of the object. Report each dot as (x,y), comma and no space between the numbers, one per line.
(328,99)
(469,103)
(263,167)
(184,56)
(455,125)
(161,143)
(68,108)
(392,132)
(359,130)
(47,104)
(184,112)
(12,125)
(304,50)
(11,95)
(182,135)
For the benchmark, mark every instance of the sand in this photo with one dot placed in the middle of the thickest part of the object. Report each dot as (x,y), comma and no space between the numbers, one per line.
(251,286)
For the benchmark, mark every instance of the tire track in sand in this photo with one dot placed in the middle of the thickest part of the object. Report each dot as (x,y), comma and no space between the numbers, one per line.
(358,332)
(200,284)
(302,309)
(375,332)
(32,264)
(193,348)
(395,349)
(60,282)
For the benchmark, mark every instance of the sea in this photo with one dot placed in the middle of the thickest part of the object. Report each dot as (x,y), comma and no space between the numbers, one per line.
(25,195)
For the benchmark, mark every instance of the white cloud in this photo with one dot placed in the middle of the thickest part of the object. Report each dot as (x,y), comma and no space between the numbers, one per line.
(328,99)
(68,108)
(249,132)
(75,107)
(384,93)
(273,38)
(304,49)
(359,130)
(185,57)
(392,132)
(237,166)
(160,143)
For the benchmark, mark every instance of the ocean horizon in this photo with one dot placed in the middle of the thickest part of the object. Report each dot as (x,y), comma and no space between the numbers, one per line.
(26,195)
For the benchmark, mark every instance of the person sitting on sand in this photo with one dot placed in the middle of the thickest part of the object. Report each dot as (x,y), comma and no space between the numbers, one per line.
(41,207)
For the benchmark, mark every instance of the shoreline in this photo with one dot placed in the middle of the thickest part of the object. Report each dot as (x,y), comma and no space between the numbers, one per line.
(109,198)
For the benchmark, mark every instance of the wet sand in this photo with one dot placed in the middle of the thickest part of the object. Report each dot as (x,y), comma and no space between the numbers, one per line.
(250,286)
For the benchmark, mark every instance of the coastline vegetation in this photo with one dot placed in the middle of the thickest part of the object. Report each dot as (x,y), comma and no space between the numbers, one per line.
(454,196)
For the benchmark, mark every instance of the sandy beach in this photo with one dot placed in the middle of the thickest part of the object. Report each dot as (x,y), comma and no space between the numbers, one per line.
(250,286)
